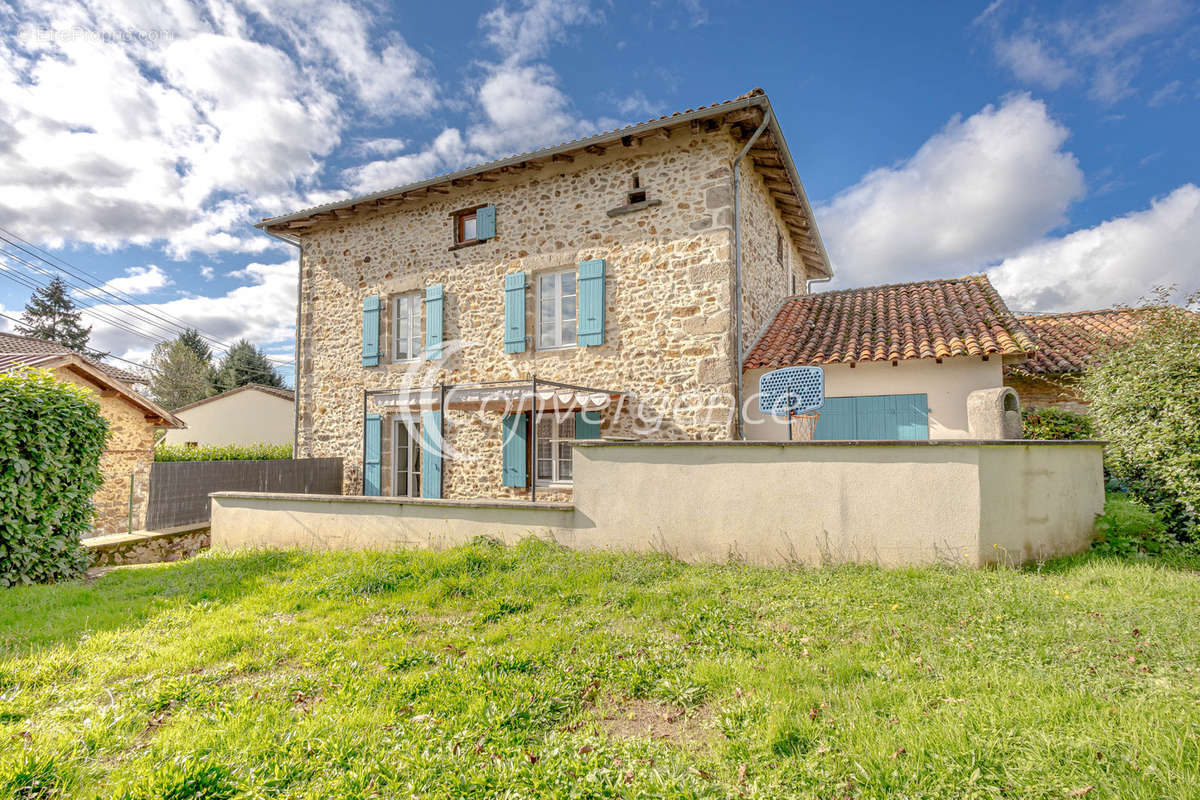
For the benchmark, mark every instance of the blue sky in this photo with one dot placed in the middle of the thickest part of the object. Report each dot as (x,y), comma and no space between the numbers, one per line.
(1052,145)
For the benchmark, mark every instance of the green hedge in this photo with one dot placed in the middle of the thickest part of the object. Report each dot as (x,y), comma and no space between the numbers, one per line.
(1055,423)
(223,452)
(52,435)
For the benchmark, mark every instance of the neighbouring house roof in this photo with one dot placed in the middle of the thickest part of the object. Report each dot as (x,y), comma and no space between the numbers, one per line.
(17,352)
(11,344)
(770,155)
(925,319)
(285,394)
(1067,342)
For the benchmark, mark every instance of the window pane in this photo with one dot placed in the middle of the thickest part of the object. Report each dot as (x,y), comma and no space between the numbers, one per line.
(468,228)
(564,469)
(568,282)
(545,470)
(567,332)
(566,427)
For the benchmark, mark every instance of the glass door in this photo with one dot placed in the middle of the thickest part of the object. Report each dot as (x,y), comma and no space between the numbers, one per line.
(406,457)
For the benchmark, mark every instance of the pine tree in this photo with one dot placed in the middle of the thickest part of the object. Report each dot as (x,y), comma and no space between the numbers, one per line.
(51,314)
(195,342)
(177,375)
(245,363)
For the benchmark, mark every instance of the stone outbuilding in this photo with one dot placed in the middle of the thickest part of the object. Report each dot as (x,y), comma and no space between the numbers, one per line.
(133,421)
(1067,343)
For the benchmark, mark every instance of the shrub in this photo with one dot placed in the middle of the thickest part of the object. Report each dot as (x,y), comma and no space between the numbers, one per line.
(1145,400)
(1127,528)
(223,452)
(52,435)
(1055,423)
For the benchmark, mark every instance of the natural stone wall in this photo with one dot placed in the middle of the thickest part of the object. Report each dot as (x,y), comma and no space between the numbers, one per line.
(151,548)
(668,293)
(766,278)
(1053,391)
(127,459)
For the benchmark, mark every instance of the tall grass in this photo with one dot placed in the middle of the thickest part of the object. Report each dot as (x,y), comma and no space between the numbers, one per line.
(532,671)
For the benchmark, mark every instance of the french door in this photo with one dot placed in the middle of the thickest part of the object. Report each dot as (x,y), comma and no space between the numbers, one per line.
(406,457)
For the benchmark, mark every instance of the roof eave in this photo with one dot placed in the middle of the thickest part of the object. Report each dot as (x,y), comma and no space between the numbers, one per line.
(579,144)
(761,101)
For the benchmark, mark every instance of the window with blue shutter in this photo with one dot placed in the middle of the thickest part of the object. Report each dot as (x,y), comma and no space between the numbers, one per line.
(587,424)
(892,416)
(514,470)
(485,223)
(372,455)
(514,313)
(370,331)
(433,322)
(431,454)
(591,302)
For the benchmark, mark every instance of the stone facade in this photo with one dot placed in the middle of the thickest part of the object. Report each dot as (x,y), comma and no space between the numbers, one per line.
(146,548)
(125,463)
(1047,391)
(669,292)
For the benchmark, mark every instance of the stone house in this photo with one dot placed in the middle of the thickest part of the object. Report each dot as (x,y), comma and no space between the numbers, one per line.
(456,334)
(900,360)
(1066,343)
(133,421)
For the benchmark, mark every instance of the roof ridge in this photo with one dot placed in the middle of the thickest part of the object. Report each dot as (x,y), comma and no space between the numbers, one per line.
(755,92)
(1085,313)
(964,278)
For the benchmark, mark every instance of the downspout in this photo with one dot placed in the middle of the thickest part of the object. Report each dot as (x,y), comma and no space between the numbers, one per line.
(296,348)
(737,265)
(808,283)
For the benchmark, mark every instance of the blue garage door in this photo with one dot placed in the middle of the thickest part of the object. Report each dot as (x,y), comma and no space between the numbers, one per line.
(889,416)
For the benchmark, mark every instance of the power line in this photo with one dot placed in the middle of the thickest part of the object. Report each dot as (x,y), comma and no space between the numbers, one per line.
(64,266)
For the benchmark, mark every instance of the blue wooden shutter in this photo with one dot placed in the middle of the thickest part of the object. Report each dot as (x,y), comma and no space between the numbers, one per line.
(591,302)
(370,331)
(372,449)
(485,223)
(514,471)
(514,313)
(836,422)
(875,417)
(433,322)
(431,454)
(587,424)
(913,416)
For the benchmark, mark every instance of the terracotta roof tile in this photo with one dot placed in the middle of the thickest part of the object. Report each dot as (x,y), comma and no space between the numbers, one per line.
(18,351)
(1066,342)
(897,322)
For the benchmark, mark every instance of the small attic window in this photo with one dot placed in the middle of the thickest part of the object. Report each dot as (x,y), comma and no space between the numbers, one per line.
(636,193)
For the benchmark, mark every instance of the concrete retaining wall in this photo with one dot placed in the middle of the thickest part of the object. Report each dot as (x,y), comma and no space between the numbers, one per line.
(888,503)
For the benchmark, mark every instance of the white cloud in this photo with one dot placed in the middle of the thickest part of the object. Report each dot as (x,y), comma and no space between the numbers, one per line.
(1032,62)
(974,192)
(1105,46)
(1117,261)
(137,281)
(125,123)
(263,311)
(527,33)
(445,152)
(1170,92)
(519,105)
(206,273)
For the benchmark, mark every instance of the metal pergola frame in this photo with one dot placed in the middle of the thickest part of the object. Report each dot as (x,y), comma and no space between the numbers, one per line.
(442,388)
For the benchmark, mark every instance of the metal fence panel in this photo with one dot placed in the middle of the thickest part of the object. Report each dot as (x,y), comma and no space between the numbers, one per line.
(179,489)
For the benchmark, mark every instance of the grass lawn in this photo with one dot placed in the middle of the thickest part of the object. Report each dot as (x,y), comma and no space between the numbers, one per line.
(537,672)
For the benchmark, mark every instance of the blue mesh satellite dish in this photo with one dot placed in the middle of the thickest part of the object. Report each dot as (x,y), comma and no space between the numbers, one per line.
(792,390)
